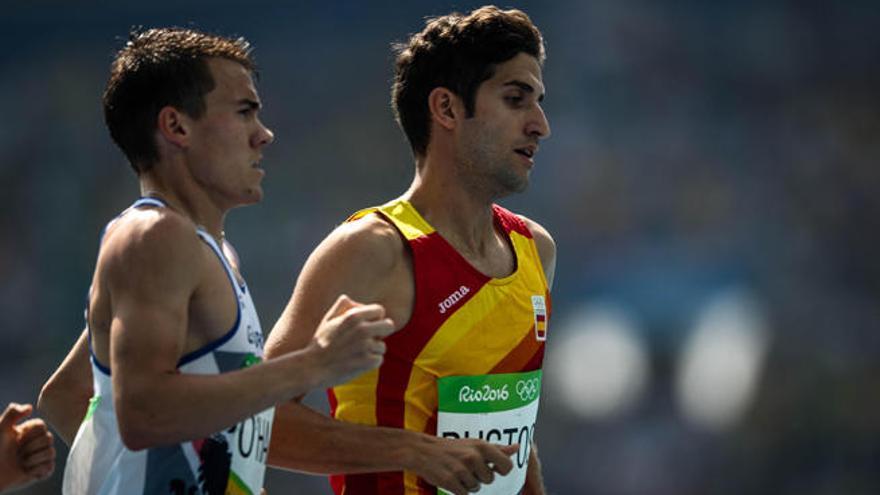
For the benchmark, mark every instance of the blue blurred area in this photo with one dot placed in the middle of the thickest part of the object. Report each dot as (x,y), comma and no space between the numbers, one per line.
(696,146)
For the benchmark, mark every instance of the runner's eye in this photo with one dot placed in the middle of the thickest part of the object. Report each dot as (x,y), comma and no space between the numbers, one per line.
(514,100)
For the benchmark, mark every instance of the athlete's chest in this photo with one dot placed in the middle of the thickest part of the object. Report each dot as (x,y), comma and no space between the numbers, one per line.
(463,322)
(498,261)
(473,330)
(214,305)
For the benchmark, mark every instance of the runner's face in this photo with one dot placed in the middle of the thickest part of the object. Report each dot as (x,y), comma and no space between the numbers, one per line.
(498,144)
(228,140)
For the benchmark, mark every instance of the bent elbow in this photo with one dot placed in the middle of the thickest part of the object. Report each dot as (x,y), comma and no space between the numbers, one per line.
(133,441)
(132,433)
(47,392)
(55,397)
(63,392)
(142,426)
(136,430)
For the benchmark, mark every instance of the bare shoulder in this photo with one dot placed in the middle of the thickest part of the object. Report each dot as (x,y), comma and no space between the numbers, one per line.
(370,239)
(546,247)
(150,243)
(361,259)
(545,242)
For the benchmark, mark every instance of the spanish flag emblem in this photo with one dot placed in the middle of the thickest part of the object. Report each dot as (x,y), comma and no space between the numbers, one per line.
(540,309)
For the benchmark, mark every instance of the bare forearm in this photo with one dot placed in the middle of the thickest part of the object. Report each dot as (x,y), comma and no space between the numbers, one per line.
(534,479)
(305,440)
(64,410)
(157,405)
(178,407)
(64,398)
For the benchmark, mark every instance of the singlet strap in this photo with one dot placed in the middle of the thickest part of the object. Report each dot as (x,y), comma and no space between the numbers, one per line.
(149,201)
(510,222)
(209,240)
(236,289)
(403,215)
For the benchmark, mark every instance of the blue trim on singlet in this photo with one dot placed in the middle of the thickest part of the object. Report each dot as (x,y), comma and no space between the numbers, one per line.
(192,356)
(142,201)
(95,361)
(149,200)
(100,366)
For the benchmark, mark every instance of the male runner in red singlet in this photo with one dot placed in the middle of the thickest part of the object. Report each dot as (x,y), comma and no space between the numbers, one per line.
(466,281)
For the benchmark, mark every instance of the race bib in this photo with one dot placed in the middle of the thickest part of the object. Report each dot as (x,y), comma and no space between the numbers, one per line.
(500,409)
(234,461)
(250,449)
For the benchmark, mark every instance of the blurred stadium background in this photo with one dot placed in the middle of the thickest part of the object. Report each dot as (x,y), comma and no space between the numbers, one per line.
(712,183)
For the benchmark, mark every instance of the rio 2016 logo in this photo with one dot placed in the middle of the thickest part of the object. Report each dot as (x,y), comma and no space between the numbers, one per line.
(483,394)
(527,389)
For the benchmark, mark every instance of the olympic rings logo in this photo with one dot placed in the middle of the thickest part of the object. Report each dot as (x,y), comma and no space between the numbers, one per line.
(527,389)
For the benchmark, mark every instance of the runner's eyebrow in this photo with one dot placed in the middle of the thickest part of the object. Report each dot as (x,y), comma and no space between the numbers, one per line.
(252,104)
(528,88)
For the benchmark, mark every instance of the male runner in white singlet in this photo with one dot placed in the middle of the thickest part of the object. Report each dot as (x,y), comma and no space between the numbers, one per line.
(182,402)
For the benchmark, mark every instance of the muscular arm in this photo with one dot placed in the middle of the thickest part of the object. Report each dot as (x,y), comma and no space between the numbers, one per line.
(151,276)
(306,440)
(368,260)
(356,259)
(64,398)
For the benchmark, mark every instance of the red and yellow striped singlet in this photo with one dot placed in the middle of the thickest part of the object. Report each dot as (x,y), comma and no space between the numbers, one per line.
(463,323)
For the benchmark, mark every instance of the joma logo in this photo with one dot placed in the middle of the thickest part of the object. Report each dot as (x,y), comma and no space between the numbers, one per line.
(453,299)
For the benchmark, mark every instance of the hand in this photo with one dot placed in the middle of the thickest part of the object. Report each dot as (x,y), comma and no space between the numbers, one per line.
(27,452)
(460,466)
(349,338)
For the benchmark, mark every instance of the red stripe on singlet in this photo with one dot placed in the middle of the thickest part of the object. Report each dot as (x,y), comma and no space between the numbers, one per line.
(331,399)
(435,280)
(536,361)
(528,355)
(516,360)
(337,481)
(510,221)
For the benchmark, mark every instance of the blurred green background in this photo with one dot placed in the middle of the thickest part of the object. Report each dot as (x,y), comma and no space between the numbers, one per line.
(712,183)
